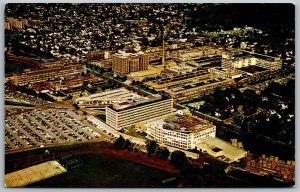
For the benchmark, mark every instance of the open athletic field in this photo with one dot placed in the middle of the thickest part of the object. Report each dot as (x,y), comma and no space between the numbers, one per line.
(101,170)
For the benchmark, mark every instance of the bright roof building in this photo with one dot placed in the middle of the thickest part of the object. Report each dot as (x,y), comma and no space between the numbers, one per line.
(33,174)
(129,112)
(109,98)
(184,131)
(222,150)
(179,130)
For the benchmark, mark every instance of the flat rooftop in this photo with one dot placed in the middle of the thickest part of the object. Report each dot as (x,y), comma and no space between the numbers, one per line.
(120,99)
(204,81)
(182,123)
(222,150)
(116,96)
(182,68)
(33,174)
(150,71)
(253,55)
(231,72)
(253,69)
(134,103)
(54,69)
(123,54)
(179,80)
(202,61)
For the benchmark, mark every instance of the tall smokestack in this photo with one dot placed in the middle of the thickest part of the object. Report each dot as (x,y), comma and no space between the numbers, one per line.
(163,48)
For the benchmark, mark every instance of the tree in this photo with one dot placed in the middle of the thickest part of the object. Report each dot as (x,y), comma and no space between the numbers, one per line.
(250,97)
(69,97)
(76,106)
(120,143)
(151,147)
(128,145)
(162,152)
(179,159)
(45,96)
(49,50)
(238,120)
(62,49)
(145,41)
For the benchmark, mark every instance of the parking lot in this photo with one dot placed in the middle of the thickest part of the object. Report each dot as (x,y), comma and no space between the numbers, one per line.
(38,128)
(13,110)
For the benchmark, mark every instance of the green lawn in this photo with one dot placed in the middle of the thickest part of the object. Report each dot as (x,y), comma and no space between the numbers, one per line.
(130,131)
(99,170)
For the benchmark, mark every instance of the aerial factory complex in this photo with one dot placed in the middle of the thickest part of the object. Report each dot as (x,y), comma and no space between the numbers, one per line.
(191,100)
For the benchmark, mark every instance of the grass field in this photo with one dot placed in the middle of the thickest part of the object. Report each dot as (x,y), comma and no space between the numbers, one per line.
(99,170)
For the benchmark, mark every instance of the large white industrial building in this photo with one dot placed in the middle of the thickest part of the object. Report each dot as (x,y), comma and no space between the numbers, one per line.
(245,59)
(184,131)
(179,130)
(127,113)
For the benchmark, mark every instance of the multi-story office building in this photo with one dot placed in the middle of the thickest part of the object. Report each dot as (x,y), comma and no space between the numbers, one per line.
(120,64)
(144,62)
(125,63)
(182,130)
(127,113)
(134,63)
(46,74)
(245,59)
(179,130)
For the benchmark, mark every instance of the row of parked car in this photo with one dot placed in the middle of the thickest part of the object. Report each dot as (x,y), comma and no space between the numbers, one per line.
(43,127)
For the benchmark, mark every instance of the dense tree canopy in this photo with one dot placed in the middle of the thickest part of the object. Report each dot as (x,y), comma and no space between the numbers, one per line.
(179,159)
(151,147)
(162,152)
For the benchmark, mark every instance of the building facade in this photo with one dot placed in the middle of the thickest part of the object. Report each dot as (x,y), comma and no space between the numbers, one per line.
(144,62)
(125,63)
(120,65)
(123,115)
(240,60)
(46,74)
(185,132)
